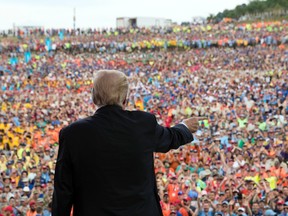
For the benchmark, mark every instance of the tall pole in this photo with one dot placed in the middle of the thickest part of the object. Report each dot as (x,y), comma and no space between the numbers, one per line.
(74,19)
(14,29)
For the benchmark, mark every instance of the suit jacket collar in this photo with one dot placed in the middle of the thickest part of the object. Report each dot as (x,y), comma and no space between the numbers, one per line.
(107,108)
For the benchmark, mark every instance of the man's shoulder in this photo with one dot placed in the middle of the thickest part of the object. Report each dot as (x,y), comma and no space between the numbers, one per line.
(141,116)
(140,113)
(80,123)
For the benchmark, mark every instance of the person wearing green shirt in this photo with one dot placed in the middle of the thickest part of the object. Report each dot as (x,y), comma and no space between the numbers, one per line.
(242,120)
(262,126)
(240,140)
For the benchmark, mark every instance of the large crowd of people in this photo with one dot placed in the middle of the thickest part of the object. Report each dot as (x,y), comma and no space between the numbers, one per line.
(235,74)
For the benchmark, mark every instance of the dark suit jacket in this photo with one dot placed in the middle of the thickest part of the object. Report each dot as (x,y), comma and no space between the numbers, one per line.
(105,164)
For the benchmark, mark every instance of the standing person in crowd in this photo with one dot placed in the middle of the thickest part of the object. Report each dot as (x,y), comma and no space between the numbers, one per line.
(32,210)
(112,122)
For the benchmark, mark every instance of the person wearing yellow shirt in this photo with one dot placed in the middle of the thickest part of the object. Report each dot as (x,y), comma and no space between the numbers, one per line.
(15,177)
(272,180)
(253,176)
(28,140)
(15,141)
(19,130)
(4,126)
(4,107)
(28,105)
(9,132)
(3,161)
(4,141)
(139,103)
(20,150)
(34,157)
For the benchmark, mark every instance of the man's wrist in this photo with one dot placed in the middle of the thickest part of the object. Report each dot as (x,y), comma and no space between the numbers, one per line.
(183,123)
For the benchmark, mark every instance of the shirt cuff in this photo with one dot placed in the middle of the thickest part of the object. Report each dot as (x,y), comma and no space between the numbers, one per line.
(184,125)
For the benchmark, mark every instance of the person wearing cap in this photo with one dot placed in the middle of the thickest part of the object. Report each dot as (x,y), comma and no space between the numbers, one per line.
(8,211)
(32,173)
(204,207)
(45,175)
(165,204)
(7,180)
(241,210)
(32,210)
(253,176)
(24,182)
(34,195)
(270,212)
(173,188)
(125,143)
(23,207)
(225,208)
(184,209)
(40,202)
(280,207)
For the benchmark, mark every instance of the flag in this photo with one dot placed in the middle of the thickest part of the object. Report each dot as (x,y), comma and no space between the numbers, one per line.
(48,44)
(61,35)
(13,60)
(27,56)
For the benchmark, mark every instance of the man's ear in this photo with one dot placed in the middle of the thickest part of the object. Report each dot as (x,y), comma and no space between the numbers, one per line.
(125,102)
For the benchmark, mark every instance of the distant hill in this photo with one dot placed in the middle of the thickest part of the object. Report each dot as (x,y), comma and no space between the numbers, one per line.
(255,9)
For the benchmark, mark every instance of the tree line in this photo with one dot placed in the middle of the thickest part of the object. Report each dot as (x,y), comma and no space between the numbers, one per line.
(254,9)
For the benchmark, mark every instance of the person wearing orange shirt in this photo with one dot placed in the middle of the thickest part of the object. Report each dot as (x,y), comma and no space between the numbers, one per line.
(278,171)
(52,134)
(165,205)
(173,189)
(175,160)
(184,210)
(32,210)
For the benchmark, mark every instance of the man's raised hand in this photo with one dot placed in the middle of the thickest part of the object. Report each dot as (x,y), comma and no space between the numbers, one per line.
(193,123)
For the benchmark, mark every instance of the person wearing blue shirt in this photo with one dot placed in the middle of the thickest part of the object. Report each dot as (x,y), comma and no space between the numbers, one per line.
(45,175)
(207,208)
(47,212)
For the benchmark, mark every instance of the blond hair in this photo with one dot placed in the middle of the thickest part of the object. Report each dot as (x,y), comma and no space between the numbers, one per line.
(110,87)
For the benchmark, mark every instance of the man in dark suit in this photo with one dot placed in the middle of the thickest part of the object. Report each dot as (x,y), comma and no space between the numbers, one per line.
(105,164)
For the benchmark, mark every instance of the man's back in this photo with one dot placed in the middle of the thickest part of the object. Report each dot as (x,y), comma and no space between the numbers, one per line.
(105,162)
(112,153)
(110,159)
